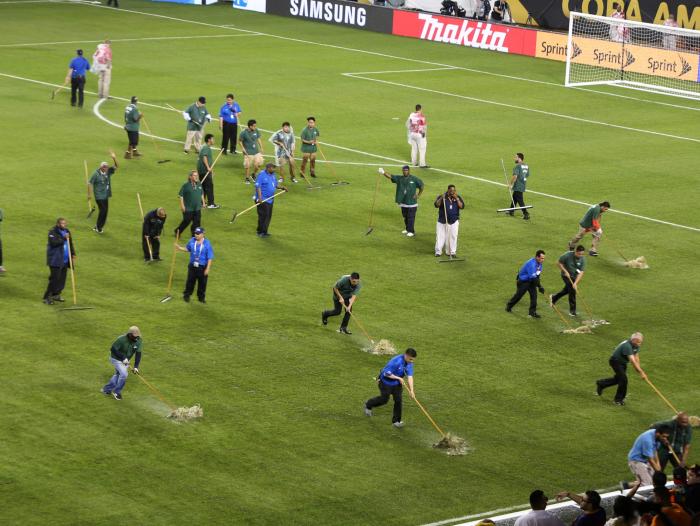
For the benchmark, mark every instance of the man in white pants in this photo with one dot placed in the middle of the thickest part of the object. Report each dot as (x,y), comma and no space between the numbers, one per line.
(102,67)
(447,229)
(417,127)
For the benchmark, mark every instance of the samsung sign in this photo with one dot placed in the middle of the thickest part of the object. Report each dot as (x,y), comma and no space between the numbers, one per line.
(335,12)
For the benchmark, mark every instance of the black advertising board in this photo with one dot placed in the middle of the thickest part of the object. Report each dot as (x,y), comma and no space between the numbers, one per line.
(338,12)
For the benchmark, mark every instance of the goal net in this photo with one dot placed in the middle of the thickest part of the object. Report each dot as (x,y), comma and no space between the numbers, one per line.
(648,57)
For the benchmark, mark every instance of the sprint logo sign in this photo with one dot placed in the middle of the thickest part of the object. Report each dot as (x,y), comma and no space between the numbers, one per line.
(251,5)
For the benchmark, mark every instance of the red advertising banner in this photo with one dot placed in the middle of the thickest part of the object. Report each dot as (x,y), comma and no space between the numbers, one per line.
(465,32)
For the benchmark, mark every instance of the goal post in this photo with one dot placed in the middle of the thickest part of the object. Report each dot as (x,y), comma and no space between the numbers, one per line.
(649,57)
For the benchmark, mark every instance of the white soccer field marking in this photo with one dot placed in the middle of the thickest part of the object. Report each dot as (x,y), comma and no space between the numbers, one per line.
(142,39)
(376,156)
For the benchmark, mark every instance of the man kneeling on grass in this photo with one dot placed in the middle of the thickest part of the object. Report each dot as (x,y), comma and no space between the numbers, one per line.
(123,348)
(391,382)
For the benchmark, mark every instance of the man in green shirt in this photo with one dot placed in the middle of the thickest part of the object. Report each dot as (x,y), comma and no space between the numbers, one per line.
(123,348)
(408,189)
(249,139)
(591,223)
(627,351)
(132,123)
(204,169)
(518,182)
(191,202)
(572,265)
(196,116)
(345,293)
(679,440)
(309,136)
(101,186)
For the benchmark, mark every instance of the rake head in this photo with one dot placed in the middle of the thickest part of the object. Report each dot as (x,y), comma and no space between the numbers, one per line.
(164,161)
(233,218)
(91,212)
(166,299)
(75,307)
(369,230)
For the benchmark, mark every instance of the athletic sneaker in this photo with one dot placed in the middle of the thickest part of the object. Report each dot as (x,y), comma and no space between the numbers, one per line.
(214,206)
(201,300)
(127,155)
(117,396)
(247,181)
(107,393)
(573,314)
(398,424)
(344,330)
(410,234)
(186,152)
(186,298)
(593,253)
(313,174)
(58,298)
(619,402)
(48,301)
(2,270)
(324,320)
(437,255)
(404,232)
(294,180)
(368,411)
(534,315)
(95,229)
(598,389)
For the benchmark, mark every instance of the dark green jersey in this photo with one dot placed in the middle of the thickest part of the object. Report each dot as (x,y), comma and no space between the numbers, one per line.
(521,172)
(250,139)
(102,183)
(592,214)
(346,288)
(201,167)
(191,194)
(131,118)
(406,189)
(309,134)
(572,264)
(197,115)
(623,351)
(123,348)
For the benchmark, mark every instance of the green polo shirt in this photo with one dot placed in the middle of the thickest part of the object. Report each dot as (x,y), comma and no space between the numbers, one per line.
(123,348)
(593,213)
(623,351)
(204,152)
(572,264)
(131,118)
(346,288)
(102,183)
(680,436)
(197,116)
(249,138)
(521,172)
(192,196)
(309,134)
(406,189)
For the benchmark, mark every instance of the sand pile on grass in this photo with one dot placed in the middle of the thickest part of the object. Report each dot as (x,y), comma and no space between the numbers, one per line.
(452,445)
(583,329)
(382,347)
(694,421)
(595,323)
(640,262)
(182,414)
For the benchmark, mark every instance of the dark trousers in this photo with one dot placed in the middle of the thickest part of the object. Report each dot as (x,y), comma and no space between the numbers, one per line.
(57,281)
(194,217)
(409,218)
(208,188)
(133,138)
(568,289)
(518,201)
(196,275)
(385,392)
(337,309)
(103,206)
(230,135)
(264,217)
(620,379)
(77,85)
(155,246)
(665,457)
(522,288)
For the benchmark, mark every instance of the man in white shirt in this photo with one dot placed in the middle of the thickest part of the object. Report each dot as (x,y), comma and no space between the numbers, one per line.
(102,67)
(538,516)
(417,127)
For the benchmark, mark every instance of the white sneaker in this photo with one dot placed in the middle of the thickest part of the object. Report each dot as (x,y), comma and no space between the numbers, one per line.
(404,232)
(398,424)
(410,234)
(368,412)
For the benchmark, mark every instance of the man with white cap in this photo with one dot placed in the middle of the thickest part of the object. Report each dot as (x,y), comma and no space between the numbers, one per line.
(101,187)
(123,348)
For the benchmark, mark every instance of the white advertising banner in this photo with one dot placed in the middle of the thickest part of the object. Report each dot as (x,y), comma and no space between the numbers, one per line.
(434,6)
(251,5)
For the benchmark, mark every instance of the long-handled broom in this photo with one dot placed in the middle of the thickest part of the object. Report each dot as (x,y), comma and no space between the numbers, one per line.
(370,227)
(91,206)
(177,413)
(75,305)
(238,214)
(168,296)
(512,208)
(148,239)
(337,182)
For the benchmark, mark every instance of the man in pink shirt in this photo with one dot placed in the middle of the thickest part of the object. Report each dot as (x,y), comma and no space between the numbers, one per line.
(417,127)
(102,67)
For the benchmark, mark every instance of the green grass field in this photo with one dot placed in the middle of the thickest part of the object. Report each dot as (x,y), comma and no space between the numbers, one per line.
(283,439)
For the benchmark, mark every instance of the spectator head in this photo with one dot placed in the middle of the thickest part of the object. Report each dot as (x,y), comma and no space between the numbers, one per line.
(662,496)
(694,474)
(637,338)
(605,205)
(663,432)
(590,501)
(671,17)
(625,507)
(538,500)
(418,107)
(680,476)
(659,479)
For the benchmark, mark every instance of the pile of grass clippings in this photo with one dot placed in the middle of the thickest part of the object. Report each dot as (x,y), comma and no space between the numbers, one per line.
(183,414)
(382,347)
(639,262)
(452,445)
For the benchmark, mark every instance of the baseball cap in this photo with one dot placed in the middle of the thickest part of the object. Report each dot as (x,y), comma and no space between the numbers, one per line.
(203,100)
(79,52)
(134,330)
(199,230)
(405,167)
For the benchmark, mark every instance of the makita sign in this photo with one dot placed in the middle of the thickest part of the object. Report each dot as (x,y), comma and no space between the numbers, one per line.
(335,12)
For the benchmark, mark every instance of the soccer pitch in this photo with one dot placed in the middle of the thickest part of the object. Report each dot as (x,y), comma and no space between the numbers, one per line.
(283,439)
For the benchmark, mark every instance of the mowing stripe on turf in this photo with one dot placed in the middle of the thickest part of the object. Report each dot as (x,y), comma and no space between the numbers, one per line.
(143,39)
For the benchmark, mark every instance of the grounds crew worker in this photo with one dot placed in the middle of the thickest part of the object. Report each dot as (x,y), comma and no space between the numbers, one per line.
(408,189)
(518,183)
(132,123)
(591,223)
(204,166)
(447,229)
(191,202)
(627,351)
(201,256)
(249,139)
(345,293)
(228,124)
(101,186)
(123,348)
(58,251)
(572,265)
(196,114)
(153,223)
(77,69)
(528,280)
(679,439)
(391,382)
(309,136)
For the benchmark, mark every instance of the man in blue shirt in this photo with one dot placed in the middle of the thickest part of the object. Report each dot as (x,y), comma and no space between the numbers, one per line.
(391,382)
(201,256)
(77,69)
(228,123)
(58,251)
(528,280)
(265,185)
(643,458)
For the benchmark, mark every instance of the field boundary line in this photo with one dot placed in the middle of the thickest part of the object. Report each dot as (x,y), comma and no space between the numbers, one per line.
(142,39)
(386,158)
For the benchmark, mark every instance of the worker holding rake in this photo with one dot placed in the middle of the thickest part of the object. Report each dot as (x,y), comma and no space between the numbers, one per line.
(591,223)
(391,383)
(572,265)
(123,348)
(345,293)
(59,251)
(627,351)
(132,123)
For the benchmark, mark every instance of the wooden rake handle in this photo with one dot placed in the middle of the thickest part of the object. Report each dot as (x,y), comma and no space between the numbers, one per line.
(668,403)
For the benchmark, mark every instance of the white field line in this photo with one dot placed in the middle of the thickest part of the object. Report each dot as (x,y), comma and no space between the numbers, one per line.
(523,108)
(400,162)
(143,39)
(386,55)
